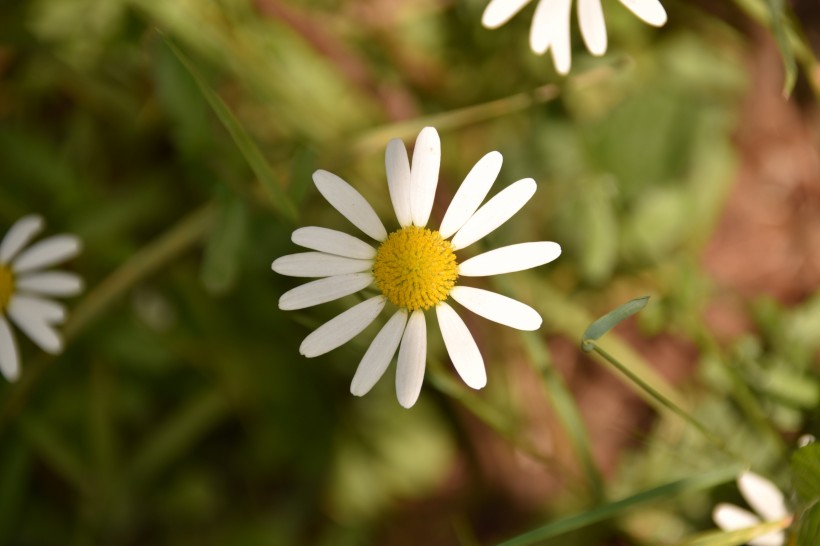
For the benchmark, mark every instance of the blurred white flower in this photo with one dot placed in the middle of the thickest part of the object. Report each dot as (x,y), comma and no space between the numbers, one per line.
(22,285)
(414,268)
(766,500)
(550,28)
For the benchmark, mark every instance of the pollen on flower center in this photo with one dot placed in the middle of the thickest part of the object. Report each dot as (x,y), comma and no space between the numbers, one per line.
(6,286)
(415,268)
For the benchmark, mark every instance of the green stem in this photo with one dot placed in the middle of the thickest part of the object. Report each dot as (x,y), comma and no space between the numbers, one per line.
(663,401)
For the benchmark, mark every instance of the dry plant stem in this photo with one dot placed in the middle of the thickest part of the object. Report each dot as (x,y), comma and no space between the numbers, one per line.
(189,231)
(662,400)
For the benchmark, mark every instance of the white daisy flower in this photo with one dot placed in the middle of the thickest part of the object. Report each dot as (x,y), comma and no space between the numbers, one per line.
(414,268)
(766,500)
(23,283)
(551,24)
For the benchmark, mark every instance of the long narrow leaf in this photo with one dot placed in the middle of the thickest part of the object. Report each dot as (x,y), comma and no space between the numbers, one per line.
(612,509)
(776,10)
(256,160)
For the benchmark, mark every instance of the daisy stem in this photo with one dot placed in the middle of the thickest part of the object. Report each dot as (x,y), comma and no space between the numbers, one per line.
(663,401)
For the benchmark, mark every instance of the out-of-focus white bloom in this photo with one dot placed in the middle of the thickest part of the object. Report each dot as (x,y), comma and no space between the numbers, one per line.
(23,285)
(766,500)
(550,28)
(414,268)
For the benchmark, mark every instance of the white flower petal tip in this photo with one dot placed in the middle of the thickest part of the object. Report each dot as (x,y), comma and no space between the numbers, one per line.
(397,167)
(763,496)
(499,12)
(47,252)
(412,360)
(550,31)
(19,235)
(593,27)
(323,291)
(650,12)
(318,264)
(510,258)
(731,518)
(471,193)
(497,308)
(51,283)
(350,203)
(379,354)
(461,347)
(342,328)
(9,356)
(333,242)
(424,175)
(495,212)
(35,318)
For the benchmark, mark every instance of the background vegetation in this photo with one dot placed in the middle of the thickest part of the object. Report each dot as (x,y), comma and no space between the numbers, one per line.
(178,139)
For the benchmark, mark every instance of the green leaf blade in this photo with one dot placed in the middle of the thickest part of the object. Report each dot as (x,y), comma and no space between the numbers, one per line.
(610,320)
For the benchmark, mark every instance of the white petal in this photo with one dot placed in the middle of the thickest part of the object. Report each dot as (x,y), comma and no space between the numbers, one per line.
(471,193)
(424,175)
(19,236)
(46,253)
(763,496)
(333,242)
(324,290)
(34,321)
(650,11)
(560,46)
(350,203)
(497,308)
(550,30)
(593,27)
(777,538)
(342,328)
(461,347)
(50,311)
(9,357)
(510,258)
(318,264)
(499,12)
(51,283)
(412,359)
(397,166)
(495,212)
(379,354)
(731,518)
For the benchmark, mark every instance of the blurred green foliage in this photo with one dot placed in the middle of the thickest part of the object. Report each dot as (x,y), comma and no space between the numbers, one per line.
(181,411)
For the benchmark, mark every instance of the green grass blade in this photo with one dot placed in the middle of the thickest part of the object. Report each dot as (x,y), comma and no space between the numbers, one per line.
(256,160)
(611,319)
(612,509)
(776,10)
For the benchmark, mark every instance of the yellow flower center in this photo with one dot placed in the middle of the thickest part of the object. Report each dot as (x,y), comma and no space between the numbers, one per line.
(415,268)
(6,286)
